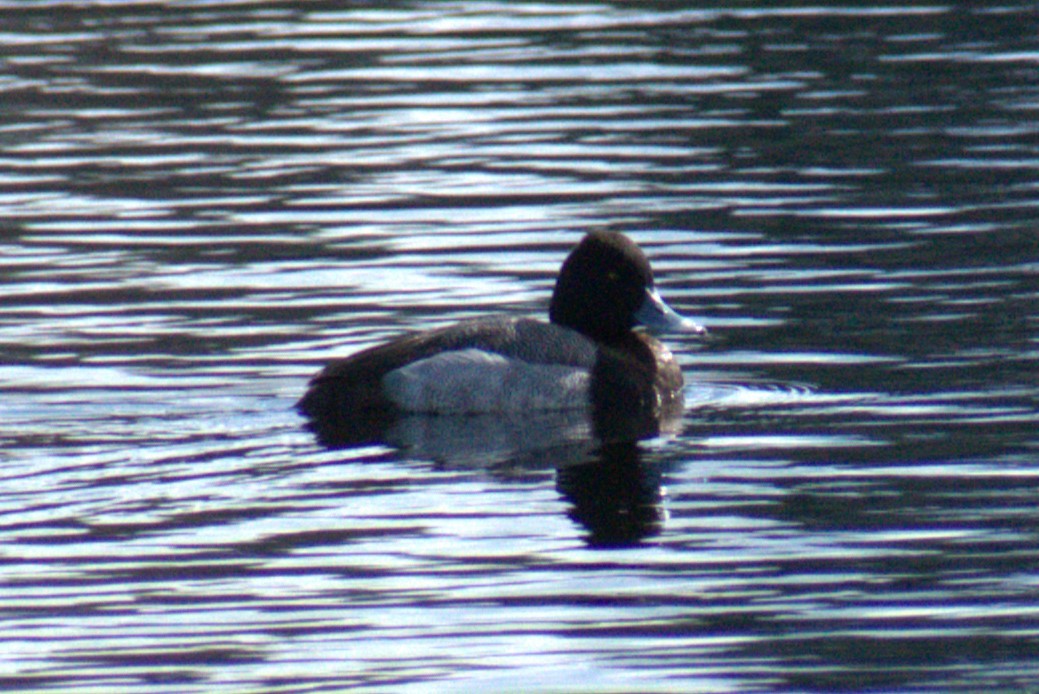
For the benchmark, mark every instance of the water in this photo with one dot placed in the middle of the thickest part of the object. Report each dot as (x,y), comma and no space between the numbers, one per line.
(204,202)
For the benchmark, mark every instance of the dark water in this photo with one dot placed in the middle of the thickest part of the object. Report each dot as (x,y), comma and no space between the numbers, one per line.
(202,202)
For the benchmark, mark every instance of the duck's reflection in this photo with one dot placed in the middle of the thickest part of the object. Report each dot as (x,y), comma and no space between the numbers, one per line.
(614,494)
(533,440)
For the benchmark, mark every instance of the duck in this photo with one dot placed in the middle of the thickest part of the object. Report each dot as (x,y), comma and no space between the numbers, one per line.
(597,353)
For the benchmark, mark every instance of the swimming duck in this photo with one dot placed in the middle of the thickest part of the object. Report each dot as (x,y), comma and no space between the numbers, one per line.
(589,356)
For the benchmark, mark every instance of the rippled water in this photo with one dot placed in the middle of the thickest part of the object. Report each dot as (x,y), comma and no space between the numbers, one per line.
(202,202)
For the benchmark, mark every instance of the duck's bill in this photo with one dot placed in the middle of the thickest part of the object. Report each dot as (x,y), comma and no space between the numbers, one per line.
(657,317)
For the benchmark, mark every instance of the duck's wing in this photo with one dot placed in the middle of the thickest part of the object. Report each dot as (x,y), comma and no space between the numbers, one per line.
(356,382)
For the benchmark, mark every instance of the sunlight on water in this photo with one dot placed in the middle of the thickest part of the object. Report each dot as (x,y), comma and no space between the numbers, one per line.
(204,204)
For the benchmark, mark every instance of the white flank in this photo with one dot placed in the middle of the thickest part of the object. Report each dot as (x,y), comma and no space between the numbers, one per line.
(471,380)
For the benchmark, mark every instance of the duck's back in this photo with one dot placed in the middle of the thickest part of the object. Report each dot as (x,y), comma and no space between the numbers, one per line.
(496,364)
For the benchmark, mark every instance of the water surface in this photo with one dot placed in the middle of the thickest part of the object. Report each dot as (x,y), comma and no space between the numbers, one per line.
(203,202)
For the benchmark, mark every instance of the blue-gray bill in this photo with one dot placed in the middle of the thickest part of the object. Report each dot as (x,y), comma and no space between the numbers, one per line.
(657,317)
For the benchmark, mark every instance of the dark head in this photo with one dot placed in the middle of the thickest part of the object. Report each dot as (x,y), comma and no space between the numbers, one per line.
(605,289)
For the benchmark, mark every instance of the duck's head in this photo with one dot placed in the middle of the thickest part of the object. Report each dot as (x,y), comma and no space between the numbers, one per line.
(605,289)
